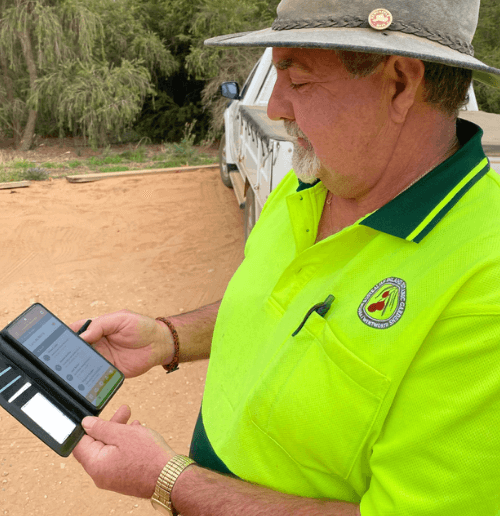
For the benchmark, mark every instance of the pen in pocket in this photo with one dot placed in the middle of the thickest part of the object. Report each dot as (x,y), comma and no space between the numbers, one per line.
(320,309)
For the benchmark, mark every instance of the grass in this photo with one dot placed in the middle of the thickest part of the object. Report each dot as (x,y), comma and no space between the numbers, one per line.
(170,155)
(23,164)
(49,164)
(116,168)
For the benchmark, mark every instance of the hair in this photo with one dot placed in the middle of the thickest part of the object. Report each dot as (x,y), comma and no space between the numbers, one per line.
(446,86)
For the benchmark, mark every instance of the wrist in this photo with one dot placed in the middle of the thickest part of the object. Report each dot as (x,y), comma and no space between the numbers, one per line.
(171,360)
(184,485)
(162,497)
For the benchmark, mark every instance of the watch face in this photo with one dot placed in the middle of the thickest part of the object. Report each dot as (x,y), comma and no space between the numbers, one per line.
(160,508)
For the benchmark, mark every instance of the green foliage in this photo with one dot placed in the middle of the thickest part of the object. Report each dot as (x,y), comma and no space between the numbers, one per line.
(185,149)
(216,17)
(169,155)
(127,36)
(49,164)
(95,98)
(35,174)
(487,45)
(7,176)
(216,65)
(122,70)
(165,119)
(116,168)
(24,164)
(88,64)
(108,160)
(138,155)
(191,93)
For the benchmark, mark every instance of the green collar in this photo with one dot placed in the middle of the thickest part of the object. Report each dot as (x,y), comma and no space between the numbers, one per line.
(415,212)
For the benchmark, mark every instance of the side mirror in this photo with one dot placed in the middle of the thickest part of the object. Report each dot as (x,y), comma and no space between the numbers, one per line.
(230,90)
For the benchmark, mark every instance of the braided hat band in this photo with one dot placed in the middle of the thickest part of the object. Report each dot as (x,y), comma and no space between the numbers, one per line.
(357,22)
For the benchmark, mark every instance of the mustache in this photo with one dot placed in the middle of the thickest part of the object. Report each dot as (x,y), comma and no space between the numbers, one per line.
(293,130)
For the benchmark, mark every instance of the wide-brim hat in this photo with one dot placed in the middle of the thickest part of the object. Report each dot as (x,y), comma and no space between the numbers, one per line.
(440,31)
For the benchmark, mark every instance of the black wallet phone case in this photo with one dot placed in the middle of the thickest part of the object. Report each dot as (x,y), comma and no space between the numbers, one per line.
(23,385)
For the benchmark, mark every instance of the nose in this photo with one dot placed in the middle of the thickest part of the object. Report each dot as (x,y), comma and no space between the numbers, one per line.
(279,107)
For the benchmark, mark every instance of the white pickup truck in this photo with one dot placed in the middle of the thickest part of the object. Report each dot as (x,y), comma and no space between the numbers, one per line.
(256,153)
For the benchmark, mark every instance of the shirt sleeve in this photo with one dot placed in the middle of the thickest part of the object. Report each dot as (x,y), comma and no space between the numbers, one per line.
(439,450)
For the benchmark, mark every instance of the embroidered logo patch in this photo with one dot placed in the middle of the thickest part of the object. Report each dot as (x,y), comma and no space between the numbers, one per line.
(384,305)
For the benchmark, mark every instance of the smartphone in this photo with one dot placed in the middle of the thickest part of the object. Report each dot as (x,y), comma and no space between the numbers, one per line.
(64,357)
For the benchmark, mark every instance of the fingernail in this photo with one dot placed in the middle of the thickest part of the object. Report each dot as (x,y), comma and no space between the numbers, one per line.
(88,422)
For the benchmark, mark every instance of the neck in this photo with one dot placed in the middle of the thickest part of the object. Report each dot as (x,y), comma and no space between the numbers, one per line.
(340,212)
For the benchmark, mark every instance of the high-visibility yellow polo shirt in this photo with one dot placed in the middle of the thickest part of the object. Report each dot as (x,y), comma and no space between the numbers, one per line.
(387,395)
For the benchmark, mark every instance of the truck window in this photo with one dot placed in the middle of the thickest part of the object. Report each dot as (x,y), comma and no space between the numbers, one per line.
(266,87)
(249,80)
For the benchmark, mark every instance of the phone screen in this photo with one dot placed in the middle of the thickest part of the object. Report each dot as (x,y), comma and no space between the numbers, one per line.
(68,356)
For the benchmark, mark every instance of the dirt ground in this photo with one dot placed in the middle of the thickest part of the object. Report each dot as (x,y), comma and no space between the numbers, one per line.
(158,245)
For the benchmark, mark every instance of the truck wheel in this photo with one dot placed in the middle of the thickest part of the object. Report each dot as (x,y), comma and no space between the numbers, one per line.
(224,167)
(249,212)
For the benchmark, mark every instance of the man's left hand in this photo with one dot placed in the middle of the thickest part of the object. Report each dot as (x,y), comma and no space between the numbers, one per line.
(121,457)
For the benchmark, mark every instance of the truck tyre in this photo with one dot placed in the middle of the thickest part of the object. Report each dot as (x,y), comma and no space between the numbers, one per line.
(224,167)
(250,216)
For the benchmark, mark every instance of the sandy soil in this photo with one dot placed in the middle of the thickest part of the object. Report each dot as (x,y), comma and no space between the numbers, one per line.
(157,245)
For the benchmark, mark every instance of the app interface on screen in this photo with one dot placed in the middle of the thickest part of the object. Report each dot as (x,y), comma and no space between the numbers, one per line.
(63,352)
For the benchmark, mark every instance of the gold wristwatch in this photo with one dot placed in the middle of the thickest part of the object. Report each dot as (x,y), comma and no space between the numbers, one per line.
(169,474)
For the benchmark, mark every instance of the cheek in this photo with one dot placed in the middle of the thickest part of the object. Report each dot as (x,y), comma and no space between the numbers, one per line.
(349,123)
(346,119)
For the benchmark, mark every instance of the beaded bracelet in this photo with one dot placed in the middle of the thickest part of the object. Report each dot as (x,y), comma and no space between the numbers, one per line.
(174,364)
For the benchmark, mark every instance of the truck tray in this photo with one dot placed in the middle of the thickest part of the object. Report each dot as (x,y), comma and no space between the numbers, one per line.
(265,127)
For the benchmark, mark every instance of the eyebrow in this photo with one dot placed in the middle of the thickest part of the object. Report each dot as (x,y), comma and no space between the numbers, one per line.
(285,64)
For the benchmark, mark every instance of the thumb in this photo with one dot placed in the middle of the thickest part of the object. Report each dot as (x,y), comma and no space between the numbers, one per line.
(108,432)
(88,423)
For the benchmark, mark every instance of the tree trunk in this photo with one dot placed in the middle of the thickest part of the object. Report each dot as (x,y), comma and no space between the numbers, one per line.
(9,89)
(29,130)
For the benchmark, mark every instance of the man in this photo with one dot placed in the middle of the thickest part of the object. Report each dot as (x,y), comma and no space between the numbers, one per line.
(354,367)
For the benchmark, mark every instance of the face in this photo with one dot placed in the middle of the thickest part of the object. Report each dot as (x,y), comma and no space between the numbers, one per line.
(340,123)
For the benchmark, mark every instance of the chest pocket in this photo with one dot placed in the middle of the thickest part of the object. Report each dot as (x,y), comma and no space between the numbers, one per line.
(317,401)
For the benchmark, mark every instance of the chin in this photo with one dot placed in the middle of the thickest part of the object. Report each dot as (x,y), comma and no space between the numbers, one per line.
(306,164)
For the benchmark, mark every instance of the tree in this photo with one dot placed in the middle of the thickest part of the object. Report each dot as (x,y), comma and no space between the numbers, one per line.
(85,64)
(216,65)
(178,99)
(487,45)
(191,93)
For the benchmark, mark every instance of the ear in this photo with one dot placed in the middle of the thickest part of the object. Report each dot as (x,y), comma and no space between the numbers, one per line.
(405,76)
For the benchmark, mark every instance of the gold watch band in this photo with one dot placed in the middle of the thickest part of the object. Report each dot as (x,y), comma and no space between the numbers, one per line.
(165,483)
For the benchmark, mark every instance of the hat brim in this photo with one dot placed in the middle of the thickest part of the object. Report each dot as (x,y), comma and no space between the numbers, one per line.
(362,40)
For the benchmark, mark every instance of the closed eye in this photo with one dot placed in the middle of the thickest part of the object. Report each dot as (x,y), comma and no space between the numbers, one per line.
(296,86)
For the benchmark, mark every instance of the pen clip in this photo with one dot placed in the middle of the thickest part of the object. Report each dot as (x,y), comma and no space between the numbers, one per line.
(320,308)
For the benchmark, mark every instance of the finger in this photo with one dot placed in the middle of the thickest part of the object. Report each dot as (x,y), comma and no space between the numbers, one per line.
(87,449)
(136,423)
(122,415)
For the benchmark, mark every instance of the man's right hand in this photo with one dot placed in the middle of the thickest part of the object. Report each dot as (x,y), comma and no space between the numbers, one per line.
(134,343)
